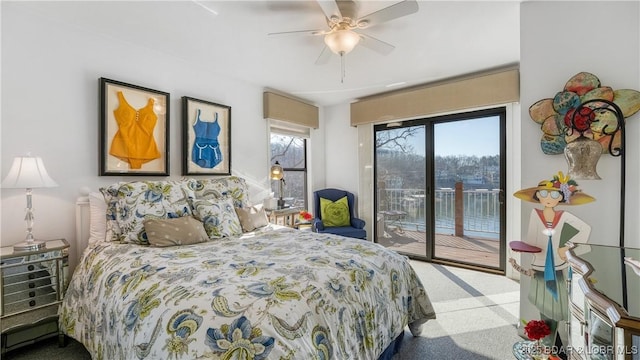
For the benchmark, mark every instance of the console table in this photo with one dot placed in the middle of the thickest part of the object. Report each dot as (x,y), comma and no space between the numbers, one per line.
(604,302)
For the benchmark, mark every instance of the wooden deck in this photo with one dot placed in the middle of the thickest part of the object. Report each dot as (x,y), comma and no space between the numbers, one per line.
(484,252)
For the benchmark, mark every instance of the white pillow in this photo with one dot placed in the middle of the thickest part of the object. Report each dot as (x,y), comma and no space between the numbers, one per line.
(97,218)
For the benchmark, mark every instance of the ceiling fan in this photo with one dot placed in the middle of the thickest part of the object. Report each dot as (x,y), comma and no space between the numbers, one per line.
(344,24)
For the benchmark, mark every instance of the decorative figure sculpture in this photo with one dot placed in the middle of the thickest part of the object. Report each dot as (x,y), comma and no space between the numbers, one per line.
(548,233)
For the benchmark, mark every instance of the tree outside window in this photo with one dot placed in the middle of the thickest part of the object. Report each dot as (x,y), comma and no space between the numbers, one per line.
(291,153)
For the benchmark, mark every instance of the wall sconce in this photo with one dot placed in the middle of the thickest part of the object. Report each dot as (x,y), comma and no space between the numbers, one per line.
(28,172)
(277,173)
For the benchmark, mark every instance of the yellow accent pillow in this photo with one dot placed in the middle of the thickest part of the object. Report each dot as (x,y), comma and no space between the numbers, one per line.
(335,213)
(177,231)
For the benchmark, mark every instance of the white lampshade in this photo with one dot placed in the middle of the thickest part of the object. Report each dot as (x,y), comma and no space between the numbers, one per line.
(28,172)
(342,41)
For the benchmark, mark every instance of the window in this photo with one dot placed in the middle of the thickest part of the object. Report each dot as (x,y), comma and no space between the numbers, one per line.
(291,152)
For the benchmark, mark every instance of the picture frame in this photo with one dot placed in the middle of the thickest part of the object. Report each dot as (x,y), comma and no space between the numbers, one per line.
(206,133)
(141,146)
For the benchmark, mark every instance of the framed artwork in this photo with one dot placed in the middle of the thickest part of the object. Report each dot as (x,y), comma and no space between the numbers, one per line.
(206,131)
(134,122)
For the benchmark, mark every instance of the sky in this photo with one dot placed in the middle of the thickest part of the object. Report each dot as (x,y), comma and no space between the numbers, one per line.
(480,137)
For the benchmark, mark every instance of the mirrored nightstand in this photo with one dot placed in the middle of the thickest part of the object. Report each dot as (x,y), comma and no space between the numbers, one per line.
(32,285)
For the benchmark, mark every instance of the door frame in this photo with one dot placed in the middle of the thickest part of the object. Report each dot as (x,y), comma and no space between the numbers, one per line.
(429,123)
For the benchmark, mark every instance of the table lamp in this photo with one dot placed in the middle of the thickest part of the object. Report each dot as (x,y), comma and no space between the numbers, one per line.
(28,172)
(278,174)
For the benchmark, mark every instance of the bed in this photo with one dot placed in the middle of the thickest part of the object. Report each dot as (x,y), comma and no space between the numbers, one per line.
(270,293)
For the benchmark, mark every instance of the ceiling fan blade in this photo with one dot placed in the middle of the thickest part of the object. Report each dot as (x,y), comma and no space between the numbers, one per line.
(324,56)
(299,32)
(376,45)
(394,11)
(330,8)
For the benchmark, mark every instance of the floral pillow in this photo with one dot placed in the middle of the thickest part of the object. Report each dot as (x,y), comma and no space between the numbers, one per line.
(227,187)
(218,216)
(148,199)
(110,194)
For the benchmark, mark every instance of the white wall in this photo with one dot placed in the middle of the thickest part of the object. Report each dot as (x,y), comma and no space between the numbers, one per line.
(341,150)
(50,107)
(604,39)
(559,40)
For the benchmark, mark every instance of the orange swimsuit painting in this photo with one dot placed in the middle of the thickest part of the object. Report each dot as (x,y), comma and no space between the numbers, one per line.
(134,142)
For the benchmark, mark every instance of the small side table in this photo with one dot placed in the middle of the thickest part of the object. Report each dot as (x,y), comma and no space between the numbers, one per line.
(285,217)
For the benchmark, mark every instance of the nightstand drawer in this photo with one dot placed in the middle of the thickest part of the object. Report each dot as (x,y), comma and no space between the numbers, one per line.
(29,318)
(19,333)
(27,286)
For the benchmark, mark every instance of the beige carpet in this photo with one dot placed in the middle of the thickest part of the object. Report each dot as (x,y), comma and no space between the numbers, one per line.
(477,315)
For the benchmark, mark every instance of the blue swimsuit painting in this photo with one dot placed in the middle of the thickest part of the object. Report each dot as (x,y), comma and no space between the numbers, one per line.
(206,148)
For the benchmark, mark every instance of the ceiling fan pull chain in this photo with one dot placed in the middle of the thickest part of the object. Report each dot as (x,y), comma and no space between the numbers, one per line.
(342,68)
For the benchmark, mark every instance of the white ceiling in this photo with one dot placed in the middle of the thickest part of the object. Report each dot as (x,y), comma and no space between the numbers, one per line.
(442,40)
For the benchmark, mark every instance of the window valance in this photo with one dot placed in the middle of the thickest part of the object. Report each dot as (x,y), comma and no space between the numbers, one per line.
(497,87)
(287,109)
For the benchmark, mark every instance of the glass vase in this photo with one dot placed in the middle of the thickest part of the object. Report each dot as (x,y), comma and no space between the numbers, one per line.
(539,351)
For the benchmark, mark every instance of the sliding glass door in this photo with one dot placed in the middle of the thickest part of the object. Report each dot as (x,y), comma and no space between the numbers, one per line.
(439,188)
(401,201)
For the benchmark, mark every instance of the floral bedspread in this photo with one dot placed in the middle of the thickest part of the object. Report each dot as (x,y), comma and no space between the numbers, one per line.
(278,293)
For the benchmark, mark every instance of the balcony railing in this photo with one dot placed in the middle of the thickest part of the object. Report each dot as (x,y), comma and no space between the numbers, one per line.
(479,214)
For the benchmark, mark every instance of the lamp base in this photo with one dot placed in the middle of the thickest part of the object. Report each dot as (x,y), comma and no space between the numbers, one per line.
(280,204)
(29,245)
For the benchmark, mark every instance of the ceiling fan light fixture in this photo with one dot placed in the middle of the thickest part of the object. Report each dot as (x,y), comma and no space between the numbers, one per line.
(342,41)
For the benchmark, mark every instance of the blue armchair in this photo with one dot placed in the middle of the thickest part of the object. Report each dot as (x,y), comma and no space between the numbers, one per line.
(355,230)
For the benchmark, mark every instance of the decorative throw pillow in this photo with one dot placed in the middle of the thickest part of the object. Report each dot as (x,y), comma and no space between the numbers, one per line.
(179,231)
(97,218)
(252,218)
(218,216)
(221,188)
(110,194)
(141,199)
(335,213)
